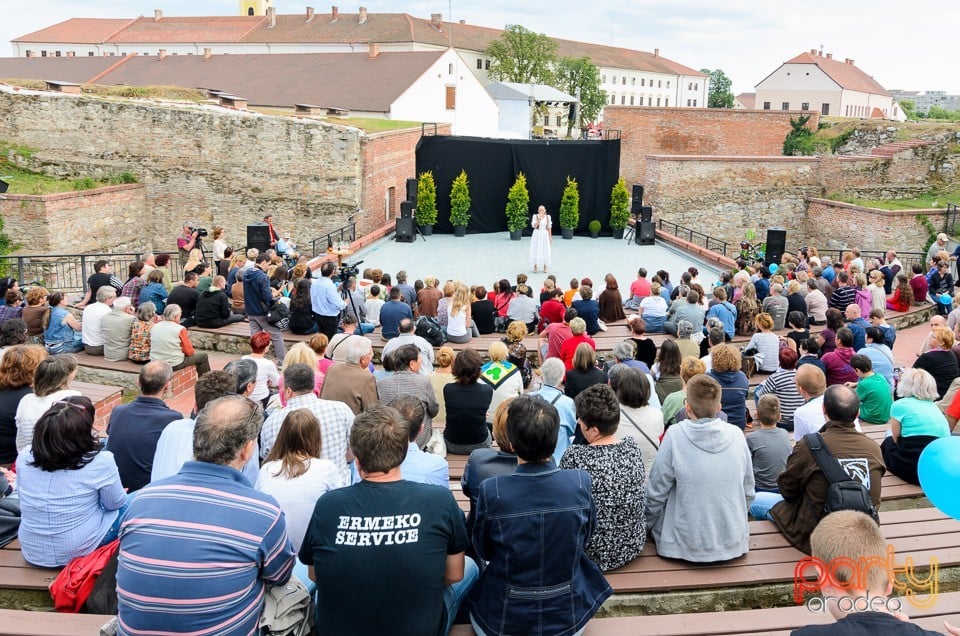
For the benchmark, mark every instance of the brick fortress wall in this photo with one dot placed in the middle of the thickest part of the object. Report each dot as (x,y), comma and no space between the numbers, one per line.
(649,131)
(212,165)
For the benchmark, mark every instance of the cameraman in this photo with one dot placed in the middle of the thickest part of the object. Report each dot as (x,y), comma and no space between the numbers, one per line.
(325,301)
(186,242)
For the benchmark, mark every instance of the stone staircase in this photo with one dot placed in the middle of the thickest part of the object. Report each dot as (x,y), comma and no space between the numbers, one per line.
(889,150)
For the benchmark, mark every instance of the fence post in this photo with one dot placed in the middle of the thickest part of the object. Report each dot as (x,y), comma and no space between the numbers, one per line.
(20,269)
(83,274)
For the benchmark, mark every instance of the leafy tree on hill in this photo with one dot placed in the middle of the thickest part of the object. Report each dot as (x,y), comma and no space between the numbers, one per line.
(720,95)
(522,56)
(909,108)
(581,78)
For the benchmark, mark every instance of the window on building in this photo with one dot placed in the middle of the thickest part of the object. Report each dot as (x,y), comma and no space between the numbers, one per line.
(668,84)
(658,101)
(631,100)
(451,97)
(688,102)
(694,103)
(641,100)
(766,105)
(559,120)
(659,83)
(804,105)
(633,81)
(623,100)
(89,53)
(43,54)
(449,68)
(546,120)
(613,99)
(825,108)
(486,65)
(785,106)
(603,79)
(56,54)
(643,81)
(696,86)
(666,101)
(250,11)
(624,81)
(479,64)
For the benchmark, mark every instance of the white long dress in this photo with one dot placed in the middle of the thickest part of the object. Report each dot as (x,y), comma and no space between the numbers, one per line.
(540,245)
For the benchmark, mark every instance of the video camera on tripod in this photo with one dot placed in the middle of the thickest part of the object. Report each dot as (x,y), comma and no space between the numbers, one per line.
(347,271)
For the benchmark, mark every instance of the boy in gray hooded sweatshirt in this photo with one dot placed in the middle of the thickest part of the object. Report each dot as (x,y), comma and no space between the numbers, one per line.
(701,486)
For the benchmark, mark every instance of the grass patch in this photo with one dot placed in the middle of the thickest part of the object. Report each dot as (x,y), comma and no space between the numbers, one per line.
(172,93)
(370,125)
(932,200)
(23,181)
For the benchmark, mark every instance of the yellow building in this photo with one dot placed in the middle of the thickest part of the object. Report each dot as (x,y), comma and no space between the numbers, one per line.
(255,7)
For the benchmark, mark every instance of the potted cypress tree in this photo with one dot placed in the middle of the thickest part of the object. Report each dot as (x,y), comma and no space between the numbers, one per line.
(518,207)
(460,204)
(594,227)
(619,208)
(569,209)
(426,203)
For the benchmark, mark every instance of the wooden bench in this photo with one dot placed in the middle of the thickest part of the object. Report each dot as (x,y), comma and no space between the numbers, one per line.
(26,623)
(104,399)
(777,621)
(125,373)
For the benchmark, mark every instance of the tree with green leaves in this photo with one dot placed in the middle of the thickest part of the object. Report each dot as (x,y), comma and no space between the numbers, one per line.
(801,140)
(720,95)
(909,108)
(570,206)
(460,200)
(522,56)
(581,78)
(518,204)
(426,199)
(619,205)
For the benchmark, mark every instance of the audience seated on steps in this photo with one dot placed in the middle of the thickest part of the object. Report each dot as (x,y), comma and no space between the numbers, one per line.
(170,342)
(91,322)
(213,307)
(117,327)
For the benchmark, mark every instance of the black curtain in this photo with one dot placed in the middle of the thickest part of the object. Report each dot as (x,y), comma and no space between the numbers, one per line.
(492,166)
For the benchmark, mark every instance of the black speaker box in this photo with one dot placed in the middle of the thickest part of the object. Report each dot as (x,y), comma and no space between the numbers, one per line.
(412,192)
(637,201)
(258,236)
(405,230)
(406,210)
(647,234)
(3,186)
(646,214)
(776,245)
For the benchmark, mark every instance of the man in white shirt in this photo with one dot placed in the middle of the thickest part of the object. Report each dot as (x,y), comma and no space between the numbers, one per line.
(810,418)
(408,336)
(91,323)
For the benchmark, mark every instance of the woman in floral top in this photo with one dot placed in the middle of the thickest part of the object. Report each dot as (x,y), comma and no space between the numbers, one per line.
(617,479)
(140,336)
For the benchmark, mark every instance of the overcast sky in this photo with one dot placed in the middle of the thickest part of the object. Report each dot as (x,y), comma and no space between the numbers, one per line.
(902,45)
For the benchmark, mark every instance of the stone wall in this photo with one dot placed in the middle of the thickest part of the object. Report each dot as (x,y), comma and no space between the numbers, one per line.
(102,220)
(835,225)
(213,165)
(696,131)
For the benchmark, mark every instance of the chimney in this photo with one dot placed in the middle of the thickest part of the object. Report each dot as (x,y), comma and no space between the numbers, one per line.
(829,56)
(207,53)
(309,14)
(157,15)
(463,21)
(162,54)
(363,15)
(656,52)
(850,62)
(334,14)
(436,20)
(813,51)
(272,16)
(374,51)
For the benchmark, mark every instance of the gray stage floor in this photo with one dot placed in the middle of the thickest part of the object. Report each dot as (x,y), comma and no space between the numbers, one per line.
(484,258)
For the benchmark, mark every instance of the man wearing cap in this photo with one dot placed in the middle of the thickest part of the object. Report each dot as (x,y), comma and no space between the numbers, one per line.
(186,242)
(940,245)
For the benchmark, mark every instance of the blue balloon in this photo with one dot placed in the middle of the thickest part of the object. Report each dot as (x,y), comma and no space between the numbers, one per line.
(939,472)
(773,267)
(945,299)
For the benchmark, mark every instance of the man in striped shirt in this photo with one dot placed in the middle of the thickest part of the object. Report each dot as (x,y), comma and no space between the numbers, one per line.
(198,549)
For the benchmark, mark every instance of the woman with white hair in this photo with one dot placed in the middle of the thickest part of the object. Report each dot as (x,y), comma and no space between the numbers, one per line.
(915,421)
(552,372)
(687,346)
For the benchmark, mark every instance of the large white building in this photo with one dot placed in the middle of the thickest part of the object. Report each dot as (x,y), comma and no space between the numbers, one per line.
(628,77)
(814,81)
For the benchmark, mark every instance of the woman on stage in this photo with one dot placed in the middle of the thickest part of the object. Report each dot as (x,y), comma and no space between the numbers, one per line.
(540,246)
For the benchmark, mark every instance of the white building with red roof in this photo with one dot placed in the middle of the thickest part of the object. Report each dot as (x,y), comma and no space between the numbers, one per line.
(814,81)
(629,77)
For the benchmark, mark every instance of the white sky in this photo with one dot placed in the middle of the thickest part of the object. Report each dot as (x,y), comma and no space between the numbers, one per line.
(903,46)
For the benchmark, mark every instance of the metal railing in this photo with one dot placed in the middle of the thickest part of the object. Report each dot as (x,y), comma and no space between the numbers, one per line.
(68,273)
(907,259)
(345,234)
(697,238)
(950,218)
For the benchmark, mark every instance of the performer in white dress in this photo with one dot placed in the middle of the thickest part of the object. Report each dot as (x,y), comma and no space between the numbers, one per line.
(540,245)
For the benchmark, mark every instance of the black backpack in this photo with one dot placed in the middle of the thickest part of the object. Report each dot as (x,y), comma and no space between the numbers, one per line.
(429,329)
(844,493)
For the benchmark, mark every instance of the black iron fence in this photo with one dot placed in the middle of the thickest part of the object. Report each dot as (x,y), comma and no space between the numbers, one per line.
(950,220)
(331,240)
(697,238)
(68,273)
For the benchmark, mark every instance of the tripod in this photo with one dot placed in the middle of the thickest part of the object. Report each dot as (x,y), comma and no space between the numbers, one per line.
(631,229)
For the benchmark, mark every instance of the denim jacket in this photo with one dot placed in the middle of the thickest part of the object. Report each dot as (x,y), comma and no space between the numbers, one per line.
(532,527)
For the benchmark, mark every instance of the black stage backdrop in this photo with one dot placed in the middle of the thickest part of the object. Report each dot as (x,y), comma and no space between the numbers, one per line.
(492,166)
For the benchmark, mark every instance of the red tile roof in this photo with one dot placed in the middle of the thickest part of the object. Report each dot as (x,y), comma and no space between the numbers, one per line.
(383,28)
(847,75)
(78,31)
(749,100)
(342,80)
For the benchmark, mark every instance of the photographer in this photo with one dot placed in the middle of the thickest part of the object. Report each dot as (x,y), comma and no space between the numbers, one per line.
(187,241)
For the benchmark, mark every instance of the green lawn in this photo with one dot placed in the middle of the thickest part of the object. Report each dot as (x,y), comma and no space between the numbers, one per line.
(926,201)
(370,125)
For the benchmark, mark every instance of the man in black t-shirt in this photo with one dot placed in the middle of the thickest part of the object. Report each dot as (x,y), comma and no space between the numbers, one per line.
(186,296)
(387,554)
(103,276)
(845,537)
